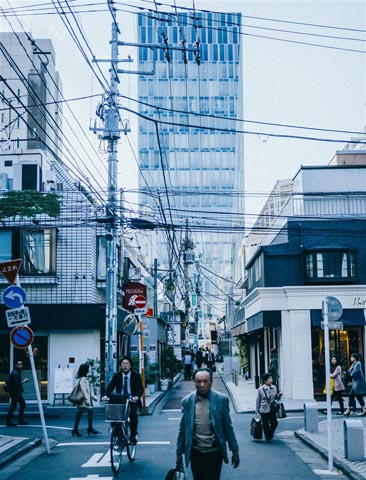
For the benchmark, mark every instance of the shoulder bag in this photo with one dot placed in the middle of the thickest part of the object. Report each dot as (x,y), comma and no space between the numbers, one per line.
(76,396)
(274,405)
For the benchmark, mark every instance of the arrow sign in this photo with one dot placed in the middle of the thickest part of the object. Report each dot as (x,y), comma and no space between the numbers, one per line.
(14,297)
(10,269)
(21,337)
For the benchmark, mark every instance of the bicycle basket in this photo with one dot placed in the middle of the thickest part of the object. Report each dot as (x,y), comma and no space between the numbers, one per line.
(115,413)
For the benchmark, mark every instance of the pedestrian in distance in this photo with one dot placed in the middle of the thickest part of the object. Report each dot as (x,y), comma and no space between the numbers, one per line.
(273,366)
(265,395)
(205,430)
(336,374)
(15,390)
(128,385)
(187,361)
(210,360)
(87,403)
(358,389)
(199,358)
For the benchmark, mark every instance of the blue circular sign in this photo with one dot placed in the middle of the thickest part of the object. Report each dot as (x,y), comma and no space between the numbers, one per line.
(14,297)
(21,337)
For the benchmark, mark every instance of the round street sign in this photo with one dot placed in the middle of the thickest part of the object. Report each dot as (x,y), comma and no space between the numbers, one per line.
(21,337)
(140,301)
(334,308)
(14,296)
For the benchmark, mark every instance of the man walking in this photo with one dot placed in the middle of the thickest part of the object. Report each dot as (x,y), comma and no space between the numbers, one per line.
(16,390)
(128,384)
(210,360)
(204,430)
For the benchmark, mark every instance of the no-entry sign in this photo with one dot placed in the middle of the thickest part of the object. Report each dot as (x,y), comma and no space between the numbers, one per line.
(140,301)
(21,337)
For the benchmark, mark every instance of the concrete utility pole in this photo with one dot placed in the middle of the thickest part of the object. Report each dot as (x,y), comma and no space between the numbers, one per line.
(108,113)
(188,259)
(198,284)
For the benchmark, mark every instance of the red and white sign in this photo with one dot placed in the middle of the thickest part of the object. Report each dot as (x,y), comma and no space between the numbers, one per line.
(140,301)
(131,291)
(10,270)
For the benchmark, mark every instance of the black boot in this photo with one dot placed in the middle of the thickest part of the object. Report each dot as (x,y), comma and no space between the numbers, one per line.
(75,432)
(91,430)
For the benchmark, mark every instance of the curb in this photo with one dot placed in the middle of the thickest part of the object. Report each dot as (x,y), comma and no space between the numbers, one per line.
(18,450)
(339,464)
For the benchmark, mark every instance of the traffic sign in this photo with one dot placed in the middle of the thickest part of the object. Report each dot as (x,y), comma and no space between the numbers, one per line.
(18,317)
(140,311)
(10,269)
(14,296)
(21,337)
(333,325)
(334,308)
(140,301)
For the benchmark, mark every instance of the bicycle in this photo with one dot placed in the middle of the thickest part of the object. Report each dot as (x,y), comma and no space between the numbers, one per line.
(117,415)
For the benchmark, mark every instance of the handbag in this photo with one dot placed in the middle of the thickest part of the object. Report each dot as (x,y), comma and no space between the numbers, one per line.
(76,396)
(331,387)
(256,429)
(274,405)
(175,474)
(282,411)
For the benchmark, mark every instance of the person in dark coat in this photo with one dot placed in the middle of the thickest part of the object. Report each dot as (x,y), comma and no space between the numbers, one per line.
(210,360)
(127,384)
(273,366)
(15,383)
(358,385)
(199,358)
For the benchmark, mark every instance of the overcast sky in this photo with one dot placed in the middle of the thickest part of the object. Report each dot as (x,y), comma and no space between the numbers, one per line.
(291,77)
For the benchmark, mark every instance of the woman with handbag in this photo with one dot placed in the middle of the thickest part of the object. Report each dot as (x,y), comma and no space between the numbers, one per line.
(267,405)
(87,402)
(358,389)
(338,387)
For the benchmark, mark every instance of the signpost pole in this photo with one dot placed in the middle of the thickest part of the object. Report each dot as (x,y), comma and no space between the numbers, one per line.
(142,367)
(327,383)
(36,386)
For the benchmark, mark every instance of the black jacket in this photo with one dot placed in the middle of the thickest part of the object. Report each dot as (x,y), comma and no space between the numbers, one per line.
(116,384)
(15,382)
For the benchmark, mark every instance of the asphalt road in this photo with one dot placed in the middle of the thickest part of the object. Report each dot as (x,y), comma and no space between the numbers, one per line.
(88,457)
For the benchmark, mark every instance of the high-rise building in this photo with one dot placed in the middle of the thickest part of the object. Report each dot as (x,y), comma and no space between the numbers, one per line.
(190,155)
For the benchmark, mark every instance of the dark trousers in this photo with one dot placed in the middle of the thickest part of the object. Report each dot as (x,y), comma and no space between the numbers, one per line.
(206,466)
(338,396)
(78,415)
(187,371)
(15,399)
(269,422)
(352,397)
(133,419)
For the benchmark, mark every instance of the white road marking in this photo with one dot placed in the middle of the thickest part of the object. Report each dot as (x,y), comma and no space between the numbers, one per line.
(171,410)
(326,472)
(91,477)
(174,418)
(99,460)
(80,444)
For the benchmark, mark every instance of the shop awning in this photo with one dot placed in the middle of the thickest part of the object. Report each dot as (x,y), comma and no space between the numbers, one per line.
(350,317)
(264,319)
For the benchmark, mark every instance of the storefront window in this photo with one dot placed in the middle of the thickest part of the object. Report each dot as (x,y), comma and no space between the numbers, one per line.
(342,343)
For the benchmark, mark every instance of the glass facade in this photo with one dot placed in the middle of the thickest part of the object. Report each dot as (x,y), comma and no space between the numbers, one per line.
(189,150)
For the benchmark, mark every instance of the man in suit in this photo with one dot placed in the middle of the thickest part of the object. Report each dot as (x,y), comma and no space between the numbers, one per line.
(210,360)
(15,383)
(204,430)
(128,384)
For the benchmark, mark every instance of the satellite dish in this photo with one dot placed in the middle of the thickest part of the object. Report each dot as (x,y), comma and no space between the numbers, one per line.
(130,324)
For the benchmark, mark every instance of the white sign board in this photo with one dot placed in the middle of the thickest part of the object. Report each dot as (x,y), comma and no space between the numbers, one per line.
(17,317)
(63,380)
(140,311)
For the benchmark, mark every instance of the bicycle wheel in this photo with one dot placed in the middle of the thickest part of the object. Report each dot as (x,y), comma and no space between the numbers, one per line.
(131,447)
(116,448)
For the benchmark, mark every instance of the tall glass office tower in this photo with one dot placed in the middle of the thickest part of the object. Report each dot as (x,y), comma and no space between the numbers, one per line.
(190,155)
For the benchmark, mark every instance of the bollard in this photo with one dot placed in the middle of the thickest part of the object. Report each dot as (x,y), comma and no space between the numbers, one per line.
(311,417)
(353,440)
(236,378)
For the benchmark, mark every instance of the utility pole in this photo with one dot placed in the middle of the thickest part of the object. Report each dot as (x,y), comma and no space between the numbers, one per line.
(107,111)
(198,284)
(188,259)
